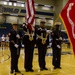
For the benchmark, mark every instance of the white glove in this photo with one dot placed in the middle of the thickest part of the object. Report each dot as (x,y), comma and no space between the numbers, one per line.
(48,31)
(22,45)
(50,44)
(16,45)
(60,38)
(58,46)
(64,39)
(23,25)
(18,36)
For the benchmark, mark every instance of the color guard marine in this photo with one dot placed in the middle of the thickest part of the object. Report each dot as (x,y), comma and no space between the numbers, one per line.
(56,46)
(15,37)
(29,42)
(42,42)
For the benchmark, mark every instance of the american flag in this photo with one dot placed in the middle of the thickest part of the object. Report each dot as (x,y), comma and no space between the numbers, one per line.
(30,14)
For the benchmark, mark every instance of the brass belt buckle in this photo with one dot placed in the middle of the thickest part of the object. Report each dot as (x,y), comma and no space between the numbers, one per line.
(43,40)
(30,37)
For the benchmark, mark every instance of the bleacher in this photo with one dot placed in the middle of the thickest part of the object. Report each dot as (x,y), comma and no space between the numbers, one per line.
(5,28)
(65,38)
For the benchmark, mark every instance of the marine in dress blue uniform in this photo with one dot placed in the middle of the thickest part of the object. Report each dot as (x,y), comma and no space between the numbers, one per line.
(15,37)
(29,42)
(42,42)
(56,46)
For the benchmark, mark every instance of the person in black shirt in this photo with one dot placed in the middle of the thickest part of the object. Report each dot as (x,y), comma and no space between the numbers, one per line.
(15,46)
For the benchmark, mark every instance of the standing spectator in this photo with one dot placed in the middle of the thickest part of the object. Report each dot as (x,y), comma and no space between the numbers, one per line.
(7,40)
(3,41)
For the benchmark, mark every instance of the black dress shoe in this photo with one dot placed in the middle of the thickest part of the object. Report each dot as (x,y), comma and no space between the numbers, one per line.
(45,68)
(27,70)
(17,71)
(41,69)
(59,67)
(11,71)
(31,70)
(55,67)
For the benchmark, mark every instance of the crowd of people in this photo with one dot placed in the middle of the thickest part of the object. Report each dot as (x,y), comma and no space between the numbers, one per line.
(40,37)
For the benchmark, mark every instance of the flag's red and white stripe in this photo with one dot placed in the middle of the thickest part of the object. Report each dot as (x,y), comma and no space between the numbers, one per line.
(30,14)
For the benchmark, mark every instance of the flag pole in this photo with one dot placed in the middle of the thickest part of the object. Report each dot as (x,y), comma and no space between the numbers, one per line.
(17,38)
(54,23)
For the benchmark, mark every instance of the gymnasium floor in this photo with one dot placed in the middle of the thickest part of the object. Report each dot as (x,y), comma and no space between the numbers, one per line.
(67,63)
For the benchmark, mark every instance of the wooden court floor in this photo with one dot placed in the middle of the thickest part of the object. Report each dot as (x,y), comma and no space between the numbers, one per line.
(67,63)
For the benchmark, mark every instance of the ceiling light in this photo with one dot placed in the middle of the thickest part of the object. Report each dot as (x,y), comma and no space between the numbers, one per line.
(20,1)
(36,4)
(14,14)
(47,5)
(5,3)
(15,4)
(10,3)
(45,8)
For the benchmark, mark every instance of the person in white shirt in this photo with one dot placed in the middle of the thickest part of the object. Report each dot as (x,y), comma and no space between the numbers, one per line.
(7,40)
(3,41)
